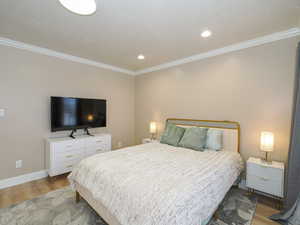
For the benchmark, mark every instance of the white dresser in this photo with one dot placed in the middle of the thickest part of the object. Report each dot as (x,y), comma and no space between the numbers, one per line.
(267,178)
(63,153)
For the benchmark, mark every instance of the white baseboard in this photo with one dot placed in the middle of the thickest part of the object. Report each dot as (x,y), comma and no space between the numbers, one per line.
(9,182)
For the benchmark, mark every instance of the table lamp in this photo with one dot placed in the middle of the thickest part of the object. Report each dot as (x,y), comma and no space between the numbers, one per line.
(267,144)
(152,129)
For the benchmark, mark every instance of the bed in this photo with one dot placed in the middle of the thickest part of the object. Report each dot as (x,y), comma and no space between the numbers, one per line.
(159,184)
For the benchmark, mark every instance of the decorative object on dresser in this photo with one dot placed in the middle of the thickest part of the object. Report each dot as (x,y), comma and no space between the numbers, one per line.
(267,178)
(267,144)
(152,129)
(149,140)
(63,153)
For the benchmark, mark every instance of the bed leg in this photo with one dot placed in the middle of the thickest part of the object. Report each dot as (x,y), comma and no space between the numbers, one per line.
(216,216)
(77,197)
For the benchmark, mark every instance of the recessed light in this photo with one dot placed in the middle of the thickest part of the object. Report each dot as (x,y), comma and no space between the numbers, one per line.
(141,57)
(81,7)
(206,33)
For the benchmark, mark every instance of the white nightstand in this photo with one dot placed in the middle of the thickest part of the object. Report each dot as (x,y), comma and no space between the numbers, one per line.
(267,178)
(149,140)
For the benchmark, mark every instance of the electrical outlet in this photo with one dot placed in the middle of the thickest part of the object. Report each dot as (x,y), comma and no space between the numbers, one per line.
(19,164)
(120,144)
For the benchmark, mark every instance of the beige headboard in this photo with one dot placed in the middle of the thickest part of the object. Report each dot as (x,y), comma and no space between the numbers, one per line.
(231,130)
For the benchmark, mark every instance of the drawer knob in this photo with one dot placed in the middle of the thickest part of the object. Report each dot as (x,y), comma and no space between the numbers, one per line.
(70,166)
(69,156)
(69,146)
(99,141)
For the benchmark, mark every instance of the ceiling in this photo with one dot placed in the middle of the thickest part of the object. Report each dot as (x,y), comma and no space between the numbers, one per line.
(162,30)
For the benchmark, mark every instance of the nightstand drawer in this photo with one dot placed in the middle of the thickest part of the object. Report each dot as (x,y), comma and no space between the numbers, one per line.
(268,172)
(264,184)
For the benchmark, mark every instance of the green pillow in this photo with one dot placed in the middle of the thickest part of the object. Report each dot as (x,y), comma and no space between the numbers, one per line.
(172,134)
(194,138)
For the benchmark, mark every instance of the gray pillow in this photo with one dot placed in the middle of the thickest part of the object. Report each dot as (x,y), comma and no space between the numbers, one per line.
(172,134)
(194,138)
(214,140)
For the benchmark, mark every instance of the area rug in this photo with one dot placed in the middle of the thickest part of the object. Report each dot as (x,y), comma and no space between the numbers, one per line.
(59,208)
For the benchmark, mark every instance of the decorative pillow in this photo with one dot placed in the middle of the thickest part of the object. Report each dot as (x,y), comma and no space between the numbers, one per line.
(172,134)
(194,138)
(214,140)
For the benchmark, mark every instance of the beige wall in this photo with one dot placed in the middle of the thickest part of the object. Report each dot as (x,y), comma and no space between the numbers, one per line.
(27,80)
(253,86)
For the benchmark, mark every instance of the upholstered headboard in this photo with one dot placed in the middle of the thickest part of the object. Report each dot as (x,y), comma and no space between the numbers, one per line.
(231,130)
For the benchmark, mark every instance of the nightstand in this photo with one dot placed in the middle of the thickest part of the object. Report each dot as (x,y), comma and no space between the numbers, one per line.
(149,140)
(267,178)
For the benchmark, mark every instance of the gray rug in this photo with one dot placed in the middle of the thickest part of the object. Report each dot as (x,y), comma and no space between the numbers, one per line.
(59,208)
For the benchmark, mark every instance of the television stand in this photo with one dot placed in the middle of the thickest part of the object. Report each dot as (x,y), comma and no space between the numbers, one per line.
(87,132)
(72,134)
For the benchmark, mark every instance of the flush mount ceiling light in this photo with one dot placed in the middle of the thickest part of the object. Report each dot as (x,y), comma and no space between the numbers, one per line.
(206,33)
(141,57)
(80,7)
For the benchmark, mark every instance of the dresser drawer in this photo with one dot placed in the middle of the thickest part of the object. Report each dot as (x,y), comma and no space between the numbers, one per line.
(268,172)
(60,170)
(264,184)
(65,166)
(96,142)
(61,147)
(92,150)
(68,155)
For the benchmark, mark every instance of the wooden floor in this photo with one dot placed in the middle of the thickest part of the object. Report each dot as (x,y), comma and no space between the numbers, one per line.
(36,188)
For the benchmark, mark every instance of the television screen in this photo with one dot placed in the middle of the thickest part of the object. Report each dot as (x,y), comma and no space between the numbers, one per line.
(77,113)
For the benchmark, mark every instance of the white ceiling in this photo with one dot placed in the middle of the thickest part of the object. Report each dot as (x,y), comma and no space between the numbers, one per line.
(162,30)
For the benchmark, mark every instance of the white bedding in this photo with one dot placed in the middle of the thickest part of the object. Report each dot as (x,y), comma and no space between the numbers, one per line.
(158,184)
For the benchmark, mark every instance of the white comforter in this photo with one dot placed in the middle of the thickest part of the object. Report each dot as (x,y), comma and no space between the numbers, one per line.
(158,184)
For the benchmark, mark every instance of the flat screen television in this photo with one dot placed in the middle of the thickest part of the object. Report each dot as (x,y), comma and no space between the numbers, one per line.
(77,113)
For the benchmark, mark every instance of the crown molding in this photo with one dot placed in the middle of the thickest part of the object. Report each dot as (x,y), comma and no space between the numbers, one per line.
(227,49)
(220,51)
(49,52)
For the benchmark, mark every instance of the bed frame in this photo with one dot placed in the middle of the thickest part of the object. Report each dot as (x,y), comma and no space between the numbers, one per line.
(231,141)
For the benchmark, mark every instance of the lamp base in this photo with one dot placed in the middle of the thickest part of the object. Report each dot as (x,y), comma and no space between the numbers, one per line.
(152,137)
(263,161)
(266,160)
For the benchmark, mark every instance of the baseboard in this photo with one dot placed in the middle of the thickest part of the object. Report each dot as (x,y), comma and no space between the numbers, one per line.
(9,182)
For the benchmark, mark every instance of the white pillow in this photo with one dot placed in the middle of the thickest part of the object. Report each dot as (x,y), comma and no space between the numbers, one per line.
(214,139)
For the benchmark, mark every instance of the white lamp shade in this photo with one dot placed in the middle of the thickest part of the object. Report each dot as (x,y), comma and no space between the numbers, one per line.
(81,7)
(266,141)
(152,128)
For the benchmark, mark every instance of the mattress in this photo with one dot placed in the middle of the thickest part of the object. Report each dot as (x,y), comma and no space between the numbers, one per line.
(158,184)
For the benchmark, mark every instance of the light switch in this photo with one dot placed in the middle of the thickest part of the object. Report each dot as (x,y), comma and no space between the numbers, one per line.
(2,112)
